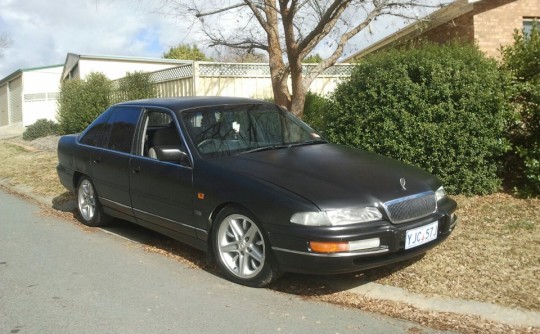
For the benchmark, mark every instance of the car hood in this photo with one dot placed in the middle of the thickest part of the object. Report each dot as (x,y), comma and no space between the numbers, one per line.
(333,176)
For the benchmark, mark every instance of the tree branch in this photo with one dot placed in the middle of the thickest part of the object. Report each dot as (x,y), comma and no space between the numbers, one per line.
(217,11)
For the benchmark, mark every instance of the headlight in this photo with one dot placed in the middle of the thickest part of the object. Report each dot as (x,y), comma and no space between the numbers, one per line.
(440,194)
(311,219)
(337,217)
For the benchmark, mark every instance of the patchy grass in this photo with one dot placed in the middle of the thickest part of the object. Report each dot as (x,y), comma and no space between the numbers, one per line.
(492,256)
(24,165)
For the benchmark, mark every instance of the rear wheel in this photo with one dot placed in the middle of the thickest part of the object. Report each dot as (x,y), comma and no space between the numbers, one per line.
(89,207)
(242,250)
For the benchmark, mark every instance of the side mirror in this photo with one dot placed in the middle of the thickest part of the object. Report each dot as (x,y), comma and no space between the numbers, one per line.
(171,154)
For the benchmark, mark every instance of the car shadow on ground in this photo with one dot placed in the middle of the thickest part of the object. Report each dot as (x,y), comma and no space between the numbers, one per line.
(290,283)
(320,285)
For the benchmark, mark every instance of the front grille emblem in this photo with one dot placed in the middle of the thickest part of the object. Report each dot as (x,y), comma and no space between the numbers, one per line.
(402,181)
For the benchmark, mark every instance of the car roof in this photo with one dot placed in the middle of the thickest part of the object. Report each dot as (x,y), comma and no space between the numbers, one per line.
(182,103)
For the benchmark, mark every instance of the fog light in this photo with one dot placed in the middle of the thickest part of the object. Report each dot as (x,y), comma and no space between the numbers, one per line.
(364,244)
(336,247)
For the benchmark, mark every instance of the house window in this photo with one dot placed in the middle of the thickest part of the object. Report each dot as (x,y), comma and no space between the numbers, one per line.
(528,23)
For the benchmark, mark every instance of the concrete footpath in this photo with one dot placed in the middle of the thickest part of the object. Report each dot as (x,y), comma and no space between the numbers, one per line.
(372,290)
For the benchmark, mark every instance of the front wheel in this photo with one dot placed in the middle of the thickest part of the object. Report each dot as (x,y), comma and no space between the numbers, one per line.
(88,204)
(241,249)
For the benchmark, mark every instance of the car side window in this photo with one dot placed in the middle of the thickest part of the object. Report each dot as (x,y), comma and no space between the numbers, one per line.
(123,122)
(162,140)
(98,132)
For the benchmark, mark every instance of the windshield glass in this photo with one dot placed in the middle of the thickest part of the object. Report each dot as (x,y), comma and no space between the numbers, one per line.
(230,130)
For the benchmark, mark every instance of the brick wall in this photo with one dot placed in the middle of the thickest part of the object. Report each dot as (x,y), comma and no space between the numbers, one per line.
(461,28)
(490,24)
(495,21)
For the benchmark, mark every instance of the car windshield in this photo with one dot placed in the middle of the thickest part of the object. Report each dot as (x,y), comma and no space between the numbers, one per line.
(241,129)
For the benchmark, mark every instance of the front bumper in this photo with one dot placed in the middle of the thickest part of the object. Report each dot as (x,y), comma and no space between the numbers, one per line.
(292,253)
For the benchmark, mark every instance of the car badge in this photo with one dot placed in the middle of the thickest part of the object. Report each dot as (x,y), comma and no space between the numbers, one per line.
(402,181)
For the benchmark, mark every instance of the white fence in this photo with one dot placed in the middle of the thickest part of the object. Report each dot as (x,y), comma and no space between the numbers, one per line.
(235,79)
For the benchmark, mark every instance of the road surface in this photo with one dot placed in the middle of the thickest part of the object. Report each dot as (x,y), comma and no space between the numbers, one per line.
(58,277)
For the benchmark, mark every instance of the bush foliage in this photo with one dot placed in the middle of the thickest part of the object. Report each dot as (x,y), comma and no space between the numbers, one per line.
(314,111)
(441,108)
(80,102)
(522,61)
(135,86)
(41,128)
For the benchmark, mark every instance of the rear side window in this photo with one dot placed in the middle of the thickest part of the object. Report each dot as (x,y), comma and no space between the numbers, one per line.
(114,129)
(98,132)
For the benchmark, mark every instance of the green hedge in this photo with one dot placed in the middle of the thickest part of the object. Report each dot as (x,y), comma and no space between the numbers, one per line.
(80,102)
(522,61)
(315,111)
(441,108)
(134,86)
(41,128)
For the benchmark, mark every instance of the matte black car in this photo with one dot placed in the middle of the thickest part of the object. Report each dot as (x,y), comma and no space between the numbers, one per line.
(257,188)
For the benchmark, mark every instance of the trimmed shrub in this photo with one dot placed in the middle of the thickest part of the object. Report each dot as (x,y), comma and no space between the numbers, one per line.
(135,86)
(41,128)
(80,102)
(522,61)
(314,111)
(441,108)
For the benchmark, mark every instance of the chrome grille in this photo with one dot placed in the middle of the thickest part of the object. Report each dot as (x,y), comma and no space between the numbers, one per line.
(408,208)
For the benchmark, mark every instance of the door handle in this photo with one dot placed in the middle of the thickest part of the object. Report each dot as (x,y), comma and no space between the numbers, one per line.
(96,161)
(136,170)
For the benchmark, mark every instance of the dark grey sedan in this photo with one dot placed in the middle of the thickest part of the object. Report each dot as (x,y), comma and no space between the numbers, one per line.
(257,188)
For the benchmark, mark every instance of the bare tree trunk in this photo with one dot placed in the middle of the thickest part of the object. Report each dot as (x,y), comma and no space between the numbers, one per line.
(298,88)
(278,69)
(282,97)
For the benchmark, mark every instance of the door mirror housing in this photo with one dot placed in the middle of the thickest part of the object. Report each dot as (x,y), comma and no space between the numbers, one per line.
(171,154)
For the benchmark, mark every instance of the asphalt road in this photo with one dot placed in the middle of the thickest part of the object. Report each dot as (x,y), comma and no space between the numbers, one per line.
(57,277)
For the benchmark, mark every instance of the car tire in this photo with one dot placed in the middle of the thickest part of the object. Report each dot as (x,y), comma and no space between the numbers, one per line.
(90,209)
(242,250)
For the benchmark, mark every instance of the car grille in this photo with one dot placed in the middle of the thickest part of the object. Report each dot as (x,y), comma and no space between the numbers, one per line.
(408,208)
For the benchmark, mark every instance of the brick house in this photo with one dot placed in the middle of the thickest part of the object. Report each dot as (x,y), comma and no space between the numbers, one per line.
(488,23)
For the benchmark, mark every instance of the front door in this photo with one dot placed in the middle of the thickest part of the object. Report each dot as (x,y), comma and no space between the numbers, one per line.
(161,191)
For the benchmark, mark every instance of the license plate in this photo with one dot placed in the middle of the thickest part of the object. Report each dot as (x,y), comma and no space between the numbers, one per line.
(420,235)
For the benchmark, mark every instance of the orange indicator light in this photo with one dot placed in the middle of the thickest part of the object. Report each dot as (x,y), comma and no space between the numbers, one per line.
(329,247)
(200,195)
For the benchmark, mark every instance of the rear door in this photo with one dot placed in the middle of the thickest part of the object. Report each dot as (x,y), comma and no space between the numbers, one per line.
(109,158)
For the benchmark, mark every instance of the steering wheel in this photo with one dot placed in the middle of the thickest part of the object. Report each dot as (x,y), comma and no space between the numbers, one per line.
(207,146)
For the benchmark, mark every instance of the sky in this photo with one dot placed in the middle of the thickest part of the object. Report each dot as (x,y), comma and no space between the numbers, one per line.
(42,32)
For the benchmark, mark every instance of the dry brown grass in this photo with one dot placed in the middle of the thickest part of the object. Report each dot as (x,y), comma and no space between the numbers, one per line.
(30,167)
(492,256)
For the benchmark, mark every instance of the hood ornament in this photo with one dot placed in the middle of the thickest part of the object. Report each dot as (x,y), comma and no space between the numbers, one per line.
(402,182)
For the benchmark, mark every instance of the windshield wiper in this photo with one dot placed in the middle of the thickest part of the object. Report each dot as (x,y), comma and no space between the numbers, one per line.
(275,147)
(264,148)
(308,142)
